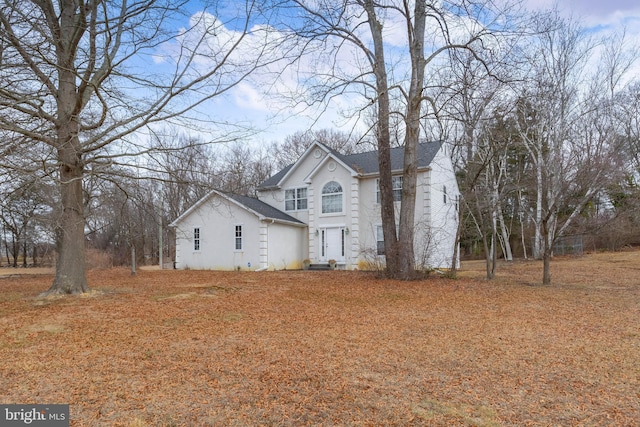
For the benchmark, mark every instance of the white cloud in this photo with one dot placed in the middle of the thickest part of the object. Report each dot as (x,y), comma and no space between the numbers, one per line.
(594,13)
(247,97)
(261,96)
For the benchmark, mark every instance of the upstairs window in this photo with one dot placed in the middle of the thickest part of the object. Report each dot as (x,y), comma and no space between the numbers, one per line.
(332,198)
(295,199)
(396,186)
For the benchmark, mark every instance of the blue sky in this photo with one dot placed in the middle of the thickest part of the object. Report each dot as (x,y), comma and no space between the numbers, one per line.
(247,104)
(596,13)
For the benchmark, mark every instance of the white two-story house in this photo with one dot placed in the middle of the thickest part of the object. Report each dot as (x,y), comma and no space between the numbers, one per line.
(324,207)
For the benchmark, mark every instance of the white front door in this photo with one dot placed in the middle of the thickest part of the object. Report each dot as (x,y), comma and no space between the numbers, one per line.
(332,244)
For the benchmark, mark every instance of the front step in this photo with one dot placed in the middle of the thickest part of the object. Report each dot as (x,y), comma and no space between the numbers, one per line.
(319,267)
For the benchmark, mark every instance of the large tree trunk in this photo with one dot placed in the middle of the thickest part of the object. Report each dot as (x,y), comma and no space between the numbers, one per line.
(70,266)
(408,207)
(406,251)
(399,249)
(384,146)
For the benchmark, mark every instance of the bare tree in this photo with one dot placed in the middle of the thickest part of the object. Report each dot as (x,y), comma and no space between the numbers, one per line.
(241,168)
(75,79)
(627,115)
(472,119)
(22,205)
(26,202)
(486,182)
(392,45)
(295,145)
(565,124)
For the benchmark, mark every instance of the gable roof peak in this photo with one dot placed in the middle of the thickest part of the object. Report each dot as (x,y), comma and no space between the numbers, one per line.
(365,163)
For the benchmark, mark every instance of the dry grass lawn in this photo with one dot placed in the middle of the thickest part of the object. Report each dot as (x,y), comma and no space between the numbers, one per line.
(197,348)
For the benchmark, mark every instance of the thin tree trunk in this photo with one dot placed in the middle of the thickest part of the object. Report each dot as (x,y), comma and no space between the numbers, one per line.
(546,270)
(488,250)
(160,245)
(456,242)
(524,241)
(508,253)
(521,218)
(133,259)
(15,248)
(6,246)
(24,252)
(537,244)
(546,256)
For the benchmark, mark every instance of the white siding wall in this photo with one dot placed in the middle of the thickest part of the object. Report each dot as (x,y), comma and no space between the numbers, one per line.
(369,218)
(216,220)
(287,246)
(435,223)
(444,216)
(333,171)
(354,225)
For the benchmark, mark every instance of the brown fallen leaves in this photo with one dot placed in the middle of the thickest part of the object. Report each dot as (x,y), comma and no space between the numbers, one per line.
(198,348)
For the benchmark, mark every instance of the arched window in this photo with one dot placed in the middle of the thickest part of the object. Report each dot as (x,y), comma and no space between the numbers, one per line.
(332,197)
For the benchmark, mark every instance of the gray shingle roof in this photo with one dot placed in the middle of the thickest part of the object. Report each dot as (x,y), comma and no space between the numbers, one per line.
(262,208)
(367,163)
(275,179)
(251,203)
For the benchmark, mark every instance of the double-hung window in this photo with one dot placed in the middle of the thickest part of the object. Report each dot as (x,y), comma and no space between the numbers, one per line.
(379,240)
(332,198)
(196,239)
(295,199)
(238,238)
(396,186)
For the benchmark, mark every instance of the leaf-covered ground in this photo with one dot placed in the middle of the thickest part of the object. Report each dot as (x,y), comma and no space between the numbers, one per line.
(194,348)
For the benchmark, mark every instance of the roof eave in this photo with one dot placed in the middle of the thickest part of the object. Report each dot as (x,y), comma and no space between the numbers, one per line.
(393,172)
(283,221)
(269,188)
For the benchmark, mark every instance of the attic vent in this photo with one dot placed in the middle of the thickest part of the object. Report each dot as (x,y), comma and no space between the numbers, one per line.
(332,166)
